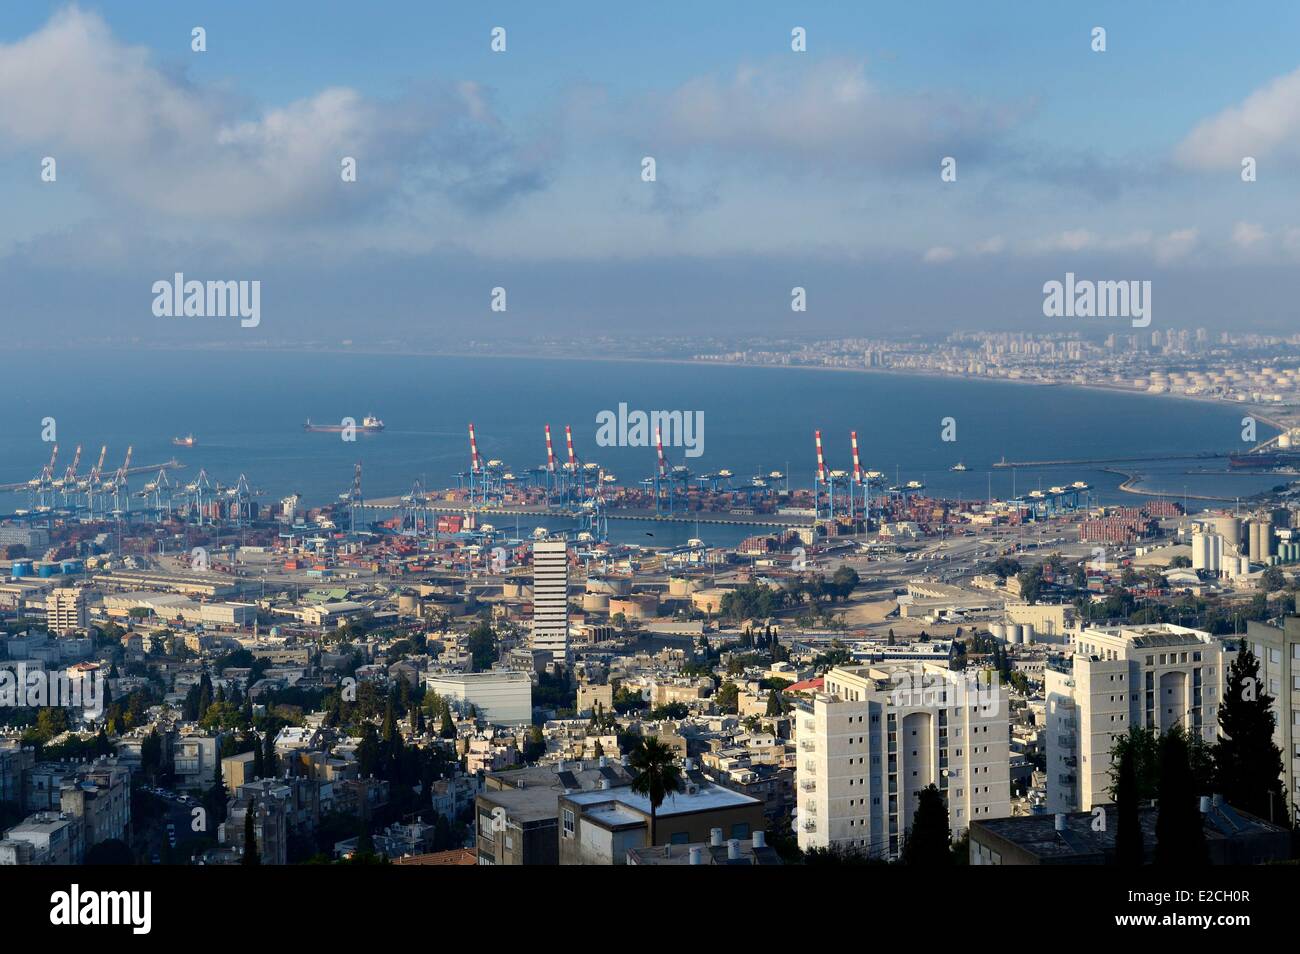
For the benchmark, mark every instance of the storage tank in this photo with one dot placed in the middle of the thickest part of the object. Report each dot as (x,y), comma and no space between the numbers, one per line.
(1229,528)
(1027,632)
(408,604)
(71,566)
(595,602)
(998,631)
(680,587)
(22,568)
(610,586)
(1200,551)
(1015,633)
(47,570)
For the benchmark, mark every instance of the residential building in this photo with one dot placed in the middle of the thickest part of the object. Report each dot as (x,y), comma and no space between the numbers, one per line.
(67,611)
(1278,652)
(1231,838)
(873,738)
(715,851)
(1122,677)
(501,697)
(600,827)
(52,838)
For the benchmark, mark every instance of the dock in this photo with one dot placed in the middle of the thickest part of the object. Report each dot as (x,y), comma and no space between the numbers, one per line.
(1086,461)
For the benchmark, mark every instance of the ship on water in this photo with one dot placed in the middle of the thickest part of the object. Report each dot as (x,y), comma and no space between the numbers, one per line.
(959,466)
(1263,460)
(186,441)
(368,423)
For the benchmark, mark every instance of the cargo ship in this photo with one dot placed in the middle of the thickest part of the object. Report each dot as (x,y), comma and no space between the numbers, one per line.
(1263,461)
(186,441)
(368,423)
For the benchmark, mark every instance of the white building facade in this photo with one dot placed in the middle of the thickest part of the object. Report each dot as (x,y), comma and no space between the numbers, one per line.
(1120,677)
(551,598)
(876,736)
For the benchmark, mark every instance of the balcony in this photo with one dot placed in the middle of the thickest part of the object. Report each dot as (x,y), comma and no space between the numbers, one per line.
(808,745)
(808,785)
(809,825)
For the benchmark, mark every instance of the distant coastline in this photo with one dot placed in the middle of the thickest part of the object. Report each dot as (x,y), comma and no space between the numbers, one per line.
(1263,414)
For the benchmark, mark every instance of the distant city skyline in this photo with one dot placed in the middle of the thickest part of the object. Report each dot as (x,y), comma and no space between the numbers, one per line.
(522,169)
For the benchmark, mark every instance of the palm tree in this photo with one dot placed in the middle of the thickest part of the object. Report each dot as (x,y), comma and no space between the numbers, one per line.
(657,774)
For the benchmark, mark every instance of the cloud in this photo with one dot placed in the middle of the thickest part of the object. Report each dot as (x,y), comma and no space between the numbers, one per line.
(828,113)
(1265,123)
(150,140)
(1246,234)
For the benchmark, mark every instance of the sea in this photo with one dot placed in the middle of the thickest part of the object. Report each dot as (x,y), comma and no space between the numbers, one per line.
(246,410)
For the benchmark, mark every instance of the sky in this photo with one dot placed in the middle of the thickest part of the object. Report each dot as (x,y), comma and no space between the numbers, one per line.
(522,169)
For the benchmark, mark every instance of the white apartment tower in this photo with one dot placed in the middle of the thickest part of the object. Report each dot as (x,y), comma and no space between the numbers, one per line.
(551,598)
(66,611)
(1120,677)
(1278,652)
(875,736)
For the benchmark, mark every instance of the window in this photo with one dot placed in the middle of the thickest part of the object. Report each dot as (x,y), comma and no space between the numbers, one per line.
(568,822)
(680,838)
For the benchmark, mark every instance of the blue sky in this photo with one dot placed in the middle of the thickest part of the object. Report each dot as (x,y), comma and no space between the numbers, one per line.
(521,169)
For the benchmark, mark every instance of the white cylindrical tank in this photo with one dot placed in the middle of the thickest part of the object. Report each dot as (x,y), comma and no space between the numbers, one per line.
(998,631)
(1015,633)
(1027,632)
(1229,528)
(1200,551)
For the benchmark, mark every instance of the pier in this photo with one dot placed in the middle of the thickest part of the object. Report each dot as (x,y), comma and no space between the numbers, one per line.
(1085,461)
(772,520)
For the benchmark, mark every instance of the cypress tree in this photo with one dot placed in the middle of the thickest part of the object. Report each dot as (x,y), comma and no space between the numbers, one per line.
(928,843)
(1247,764)
(1128,834)
(1180,837)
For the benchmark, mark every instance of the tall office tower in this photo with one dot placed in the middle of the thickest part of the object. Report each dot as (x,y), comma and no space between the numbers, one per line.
(875,736)
(66,611)
(1149,677)
(551,598)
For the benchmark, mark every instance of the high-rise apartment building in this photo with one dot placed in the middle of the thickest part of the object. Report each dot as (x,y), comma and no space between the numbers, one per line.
(876,736)
(1278,652)
(551,598)
(66,610)
(1120,677)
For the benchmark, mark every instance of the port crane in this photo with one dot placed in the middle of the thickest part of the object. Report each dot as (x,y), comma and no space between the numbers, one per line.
(352,496)
(40,489)
(417,516)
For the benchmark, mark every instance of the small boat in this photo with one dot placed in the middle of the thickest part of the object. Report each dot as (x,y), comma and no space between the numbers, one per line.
(186,441)
(959,466)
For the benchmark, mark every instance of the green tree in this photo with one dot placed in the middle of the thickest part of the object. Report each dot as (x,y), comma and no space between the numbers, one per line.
(656,775)
(775,705)
(1247,764)
(1128,833)
(728,697)
(927,844)
(1180,836)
